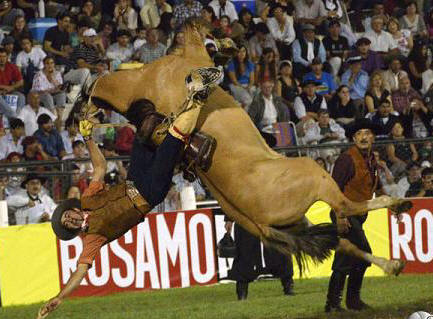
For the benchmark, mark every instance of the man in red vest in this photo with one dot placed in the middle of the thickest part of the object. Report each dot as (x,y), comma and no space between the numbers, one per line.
(103,215)
(355,172)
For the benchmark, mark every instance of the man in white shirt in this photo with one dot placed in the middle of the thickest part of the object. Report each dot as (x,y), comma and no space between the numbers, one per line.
(381,41)
(70,134)
(122,50)
(32,204)
(35,55)
(308,103)
(30,112)
(325,130)
(224,8)
(392,75)
(281,27)
(11,142)
(151,13)
(310,12)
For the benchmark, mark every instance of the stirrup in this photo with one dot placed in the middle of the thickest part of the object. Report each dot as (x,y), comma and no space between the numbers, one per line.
(200,80)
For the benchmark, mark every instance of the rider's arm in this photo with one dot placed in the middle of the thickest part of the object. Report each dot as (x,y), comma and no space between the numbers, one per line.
(98,160)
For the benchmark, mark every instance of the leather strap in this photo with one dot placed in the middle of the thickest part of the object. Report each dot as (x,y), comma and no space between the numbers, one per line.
(134,195)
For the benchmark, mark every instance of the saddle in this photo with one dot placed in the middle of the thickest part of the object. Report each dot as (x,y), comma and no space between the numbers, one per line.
(198,152)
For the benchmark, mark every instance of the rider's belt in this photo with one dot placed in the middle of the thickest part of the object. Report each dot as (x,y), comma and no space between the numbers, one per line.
(134,195)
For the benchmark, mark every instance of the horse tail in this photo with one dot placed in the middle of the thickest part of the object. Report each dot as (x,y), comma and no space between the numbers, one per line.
(311,243)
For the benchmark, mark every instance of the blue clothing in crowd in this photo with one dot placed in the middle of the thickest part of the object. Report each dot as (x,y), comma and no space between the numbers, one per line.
(358,88)
(327,84)
(52,143)
(243,78)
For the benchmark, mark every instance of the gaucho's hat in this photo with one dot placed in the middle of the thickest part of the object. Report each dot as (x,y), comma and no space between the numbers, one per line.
(362,124)
(62,232)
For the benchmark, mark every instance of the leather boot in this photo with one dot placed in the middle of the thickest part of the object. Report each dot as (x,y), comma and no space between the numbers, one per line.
(242,290)
(287,284)
(335,292)
(354,284)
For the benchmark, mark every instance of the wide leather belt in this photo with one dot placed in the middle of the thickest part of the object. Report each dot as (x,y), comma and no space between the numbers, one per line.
(134,195)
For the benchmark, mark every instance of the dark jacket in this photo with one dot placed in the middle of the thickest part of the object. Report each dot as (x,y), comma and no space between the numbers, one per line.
(257,109)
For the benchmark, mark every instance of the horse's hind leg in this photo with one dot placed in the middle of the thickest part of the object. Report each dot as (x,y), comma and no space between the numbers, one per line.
(390,267)
(330,193)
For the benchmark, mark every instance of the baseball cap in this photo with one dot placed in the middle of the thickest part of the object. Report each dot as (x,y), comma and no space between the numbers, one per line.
(90,33)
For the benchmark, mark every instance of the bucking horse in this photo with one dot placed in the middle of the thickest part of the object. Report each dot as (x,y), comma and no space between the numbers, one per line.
(268,194)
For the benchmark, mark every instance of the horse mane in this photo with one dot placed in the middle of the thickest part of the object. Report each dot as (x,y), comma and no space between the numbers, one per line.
(195,31)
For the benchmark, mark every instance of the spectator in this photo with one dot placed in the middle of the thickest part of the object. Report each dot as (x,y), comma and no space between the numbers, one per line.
(33,150)
(73,192)
(125,16)
(31,203)
(70,134)
(49,138)
(85,57)
(378,10)
(376,92)
(178,42)
(32,111)
(310,12)
(305,49)
(152,49)
(427,79)
(393,74)
(8,14)
(385,176)
(224,27)
(413,21)
(418,63)
(281,28)
(28,6)
(381,41)
(121,51)
(14,183)
(336,46)
(384,118)
(90,12)
(30,54)
(403,37)
(267,109)
(8,44)
(308,103)
(325,130)
(429,22)
(410,185)
(325,82)
(109,150)
(371,61)
(333,9)
(79,151)
(241,75)
(208,15)
(246,20)
(151,13)
(106,33)
(224,8)
(356,79)
(427,183)
(124,139)
(261,39)
(11,81)
(11,142)
(166,29)
(341,107)
(415,115)
(56,40)
(400,154)
(48,83)
(287,85)
(19,32)
(188,9)
(266,69)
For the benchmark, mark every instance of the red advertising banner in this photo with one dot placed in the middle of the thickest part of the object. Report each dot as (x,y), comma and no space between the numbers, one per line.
(166,250)
(412,238)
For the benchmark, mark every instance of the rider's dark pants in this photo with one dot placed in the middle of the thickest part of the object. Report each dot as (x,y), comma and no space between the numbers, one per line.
(152,170)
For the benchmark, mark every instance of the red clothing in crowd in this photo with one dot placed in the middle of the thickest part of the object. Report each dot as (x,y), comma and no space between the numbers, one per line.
(11,74)
(124,140)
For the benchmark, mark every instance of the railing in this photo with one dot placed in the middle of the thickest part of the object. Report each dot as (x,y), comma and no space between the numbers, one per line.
(60,173)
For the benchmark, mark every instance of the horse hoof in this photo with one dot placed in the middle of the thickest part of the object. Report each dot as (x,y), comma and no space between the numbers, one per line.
(402,206)
(395,267)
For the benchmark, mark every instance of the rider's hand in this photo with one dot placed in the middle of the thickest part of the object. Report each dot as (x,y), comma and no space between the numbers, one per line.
(86,128)
(343,225)
(50,306)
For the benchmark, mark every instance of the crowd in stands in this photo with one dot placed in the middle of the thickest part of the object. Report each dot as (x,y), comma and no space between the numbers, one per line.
(320,64)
